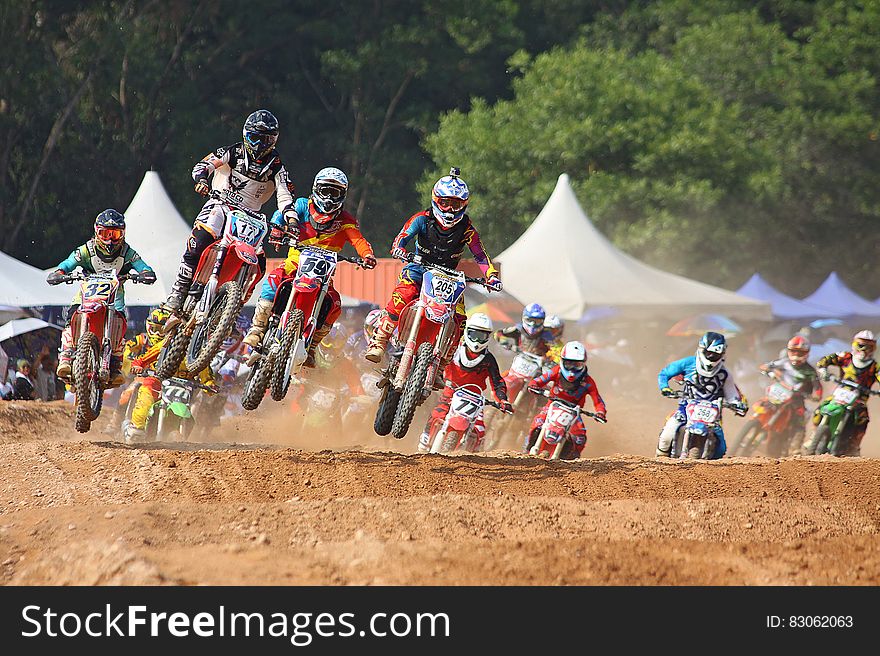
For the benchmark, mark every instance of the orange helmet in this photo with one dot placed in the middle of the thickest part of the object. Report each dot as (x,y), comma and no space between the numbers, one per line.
(798,349)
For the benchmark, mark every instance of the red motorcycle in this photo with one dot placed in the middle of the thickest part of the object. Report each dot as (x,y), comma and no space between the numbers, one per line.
(225,278)
(553,439)
(429,333)
(95,327)
(289,330)
(456,430)
(771,422)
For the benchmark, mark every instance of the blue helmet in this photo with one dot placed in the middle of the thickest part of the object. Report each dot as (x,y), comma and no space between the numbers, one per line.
(109,233)
(710,353)
(533,319)
(449,199)
(260,133)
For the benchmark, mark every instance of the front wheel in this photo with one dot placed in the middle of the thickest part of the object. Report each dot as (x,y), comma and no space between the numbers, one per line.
(821,438)
(89,395)
(283,363)
(386,410)
(256,383)
(208,337)
(412,391)
(751,435)
(172,354)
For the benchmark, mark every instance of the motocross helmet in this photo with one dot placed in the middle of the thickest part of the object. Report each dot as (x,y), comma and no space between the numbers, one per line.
(449,199)
(555,326)
(798,349)
(573,361)
(533,319)
(242,323)
(109,234)
(371,321)
(331,346)
(863,347)
(710,354)
(328,193)
(260,133)
(155,324)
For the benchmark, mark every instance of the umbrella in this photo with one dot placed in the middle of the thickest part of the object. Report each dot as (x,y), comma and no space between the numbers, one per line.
(821,323)
(24,338)
(697,325)
(16,327)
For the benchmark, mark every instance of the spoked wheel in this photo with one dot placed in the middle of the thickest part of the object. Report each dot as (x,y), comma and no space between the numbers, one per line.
(751,435)
(255,386)
(412,391)
(821,438)
(172,354)
(89,395)
(280,381)
(208,337)
(386,410)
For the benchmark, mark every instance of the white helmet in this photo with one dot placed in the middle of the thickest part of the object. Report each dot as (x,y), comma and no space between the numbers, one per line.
(477,331)
(864,343)
(573,361)
(710,354)
(329,189)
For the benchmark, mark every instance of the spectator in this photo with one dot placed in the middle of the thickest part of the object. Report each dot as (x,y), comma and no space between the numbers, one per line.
(44,375)
(23,387)
(6,387)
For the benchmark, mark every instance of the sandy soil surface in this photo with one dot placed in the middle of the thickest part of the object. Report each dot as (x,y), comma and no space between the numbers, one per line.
(258,505)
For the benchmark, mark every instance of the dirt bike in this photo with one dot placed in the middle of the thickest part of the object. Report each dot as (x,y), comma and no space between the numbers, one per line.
(428,331)
(291,325)
(456,431)
(92,328)
(771,422)
(554,437)
(697,436)
(318,406)
(359,406)
(524,368)
(834,433)
(224,279)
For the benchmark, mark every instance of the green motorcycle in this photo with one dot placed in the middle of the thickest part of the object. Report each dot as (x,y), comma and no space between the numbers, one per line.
(172,412)
(834,432)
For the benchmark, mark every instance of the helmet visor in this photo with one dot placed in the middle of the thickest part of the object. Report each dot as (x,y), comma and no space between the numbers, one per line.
(330,191)
(451,203)
(476,336)
(864,346)
(109,235)
(574,365)
(712,356)
(533,323)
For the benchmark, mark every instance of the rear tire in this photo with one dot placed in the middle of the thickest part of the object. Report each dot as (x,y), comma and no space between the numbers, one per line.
(412,391)
(89,395)
(208,337)
(282,365)
(749,438)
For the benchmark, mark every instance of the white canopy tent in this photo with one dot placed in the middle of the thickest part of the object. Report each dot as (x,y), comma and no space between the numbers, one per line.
(588,270)
(22,285)
(157,231)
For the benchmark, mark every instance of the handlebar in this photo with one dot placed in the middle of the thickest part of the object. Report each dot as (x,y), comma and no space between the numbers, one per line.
(486,401)
(680,394)
(223,197)
(571,404)
(853,384)
(290,239)
(71,278)
(412,258)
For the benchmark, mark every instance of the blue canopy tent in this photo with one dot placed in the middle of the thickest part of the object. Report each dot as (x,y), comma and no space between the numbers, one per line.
(834,293)
(782,305)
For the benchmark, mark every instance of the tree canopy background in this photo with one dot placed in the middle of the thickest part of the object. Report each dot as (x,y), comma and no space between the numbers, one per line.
(711,139)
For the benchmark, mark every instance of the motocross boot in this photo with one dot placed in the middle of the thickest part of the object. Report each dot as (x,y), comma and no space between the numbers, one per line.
(116,377)
(531,438)
(133,434)
(175,300)
(258,327)
(65,361)
(380,338)
(320,334)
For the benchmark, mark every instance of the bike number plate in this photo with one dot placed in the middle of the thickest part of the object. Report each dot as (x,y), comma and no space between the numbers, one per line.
(174,392)
(702,411)
(845,395)
(525,367)
(560,415)
(248,229)
(466,405)
(323,399)
(316,263)
(778,393)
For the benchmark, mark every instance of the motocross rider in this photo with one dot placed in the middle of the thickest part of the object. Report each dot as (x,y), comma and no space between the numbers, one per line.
(799,375)
(442,232)
(472,364)
(859,366)
(359,340)
(106,251)
(249,171)
(151,386)
(530,335)
(705,378)
(570,382)
(318,220)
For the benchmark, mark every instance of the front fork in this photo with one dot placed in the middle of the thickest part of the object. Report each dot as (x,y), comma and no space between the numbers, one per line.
(409,349)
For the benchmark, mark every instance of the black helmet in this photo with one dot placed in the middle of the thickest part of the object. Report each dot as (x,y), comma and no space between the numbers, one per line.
(260,132)
(109,232)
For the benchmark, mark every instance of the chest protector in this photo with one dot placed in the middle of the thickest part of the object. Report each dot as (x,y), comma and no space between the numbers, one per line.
(443,247)
(706,388)
(100,265)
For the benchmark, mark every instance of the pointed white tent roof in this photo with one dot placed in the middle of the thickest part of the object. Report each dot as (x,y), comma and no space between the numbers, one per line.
(157,231)
(784,306)
(587,270)
(22,285)
(835,294)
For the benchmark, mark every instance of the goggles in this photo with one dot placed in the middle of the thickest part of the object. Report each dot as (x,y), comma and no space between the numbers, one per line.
(864,347)
(574,365)
(712,356)
(477,336)
(260,140)
(331,191)
(109,234)
(451,203)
